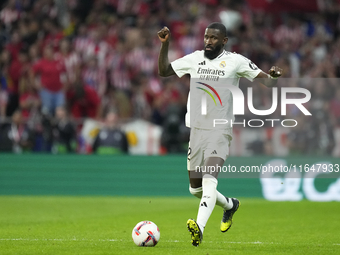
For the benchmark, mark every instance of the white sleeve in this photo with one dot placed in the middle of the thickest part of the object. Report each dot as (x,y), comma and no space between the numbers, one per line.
(183,65)
(246,68)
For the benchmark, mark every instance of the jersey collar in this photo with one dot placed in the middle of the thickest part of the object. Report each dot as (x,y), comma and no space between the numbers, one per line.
(221,54)
(217,56)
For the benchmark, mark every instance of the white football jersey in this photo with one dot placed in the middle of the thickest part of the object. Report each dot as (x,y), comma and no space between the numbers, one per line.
(207,79)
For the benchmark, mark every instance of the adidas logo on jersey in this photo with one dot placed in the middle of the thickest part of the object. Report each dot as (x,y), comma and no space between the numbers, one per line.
(214,152)
(202,63)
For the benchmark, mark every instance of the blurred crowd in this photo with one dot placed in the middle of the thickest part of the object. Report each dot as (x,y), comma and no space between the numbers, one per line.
(64,61)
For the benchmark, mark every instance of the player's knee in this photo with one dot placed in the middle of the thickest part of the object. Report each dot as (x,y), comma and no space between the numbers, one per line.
(197,192)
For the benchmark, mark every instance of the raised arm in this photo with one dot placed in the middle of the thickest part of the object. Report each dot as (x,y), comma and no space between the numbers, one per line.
(164,66)
(270,79)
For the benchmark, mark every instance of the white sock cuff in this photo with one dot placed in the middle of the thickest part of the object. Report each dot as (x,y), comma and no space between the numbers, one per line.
(208,178)
(197,192)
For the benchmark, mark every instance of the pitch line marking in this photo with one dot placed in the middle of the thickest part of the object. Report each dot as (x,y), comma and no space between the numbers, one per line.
(122,240)
(116,240)
(112,240)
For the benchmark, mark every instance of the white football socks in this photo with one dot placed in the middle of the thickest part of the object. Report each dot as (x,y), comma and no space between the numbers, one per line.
(222,201)
(225,202)
(208,200)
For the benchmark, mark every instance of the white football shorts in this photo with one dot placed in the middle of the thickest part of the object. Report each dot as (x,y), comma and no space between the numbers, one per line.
(205,143)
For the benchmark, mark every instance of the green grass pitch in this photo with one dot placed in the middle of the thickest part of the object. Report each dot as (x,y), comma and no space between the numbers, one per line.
(103,225)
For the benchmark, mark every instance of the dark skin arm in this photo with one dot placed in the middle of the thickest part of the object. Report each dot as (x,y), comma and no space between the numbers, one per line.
(265,79)
(164,66)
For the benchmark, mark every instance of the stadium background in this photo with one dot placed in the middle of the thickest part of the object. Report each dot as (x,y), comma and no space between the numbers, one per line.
(77,180)
(110,47)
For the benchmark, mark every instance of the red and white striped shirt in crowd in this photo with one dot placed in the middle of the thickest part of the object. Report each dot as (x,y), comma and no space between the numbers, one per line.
(148,65)
(81,44)
(295,35)
(71,62)
(99,50)
(95,78)
(118,72)
(142,60)
(137,7)
(120,79)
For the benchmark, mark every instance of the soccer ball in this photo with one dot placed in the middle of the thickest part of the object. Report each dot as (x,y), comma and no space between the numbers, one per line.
(146,233)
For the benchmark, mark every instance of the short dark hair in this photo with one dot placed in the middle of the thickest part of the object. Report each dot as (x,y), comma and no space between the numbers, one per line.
(220,27)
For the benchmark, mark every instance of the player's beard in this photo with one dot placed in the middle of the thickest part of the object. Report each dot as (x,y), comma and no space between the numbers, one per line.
(211,54)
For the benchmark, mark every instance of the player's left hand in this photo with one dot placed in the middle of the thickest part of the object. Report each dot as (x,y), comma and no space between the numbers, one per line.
(275,71)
